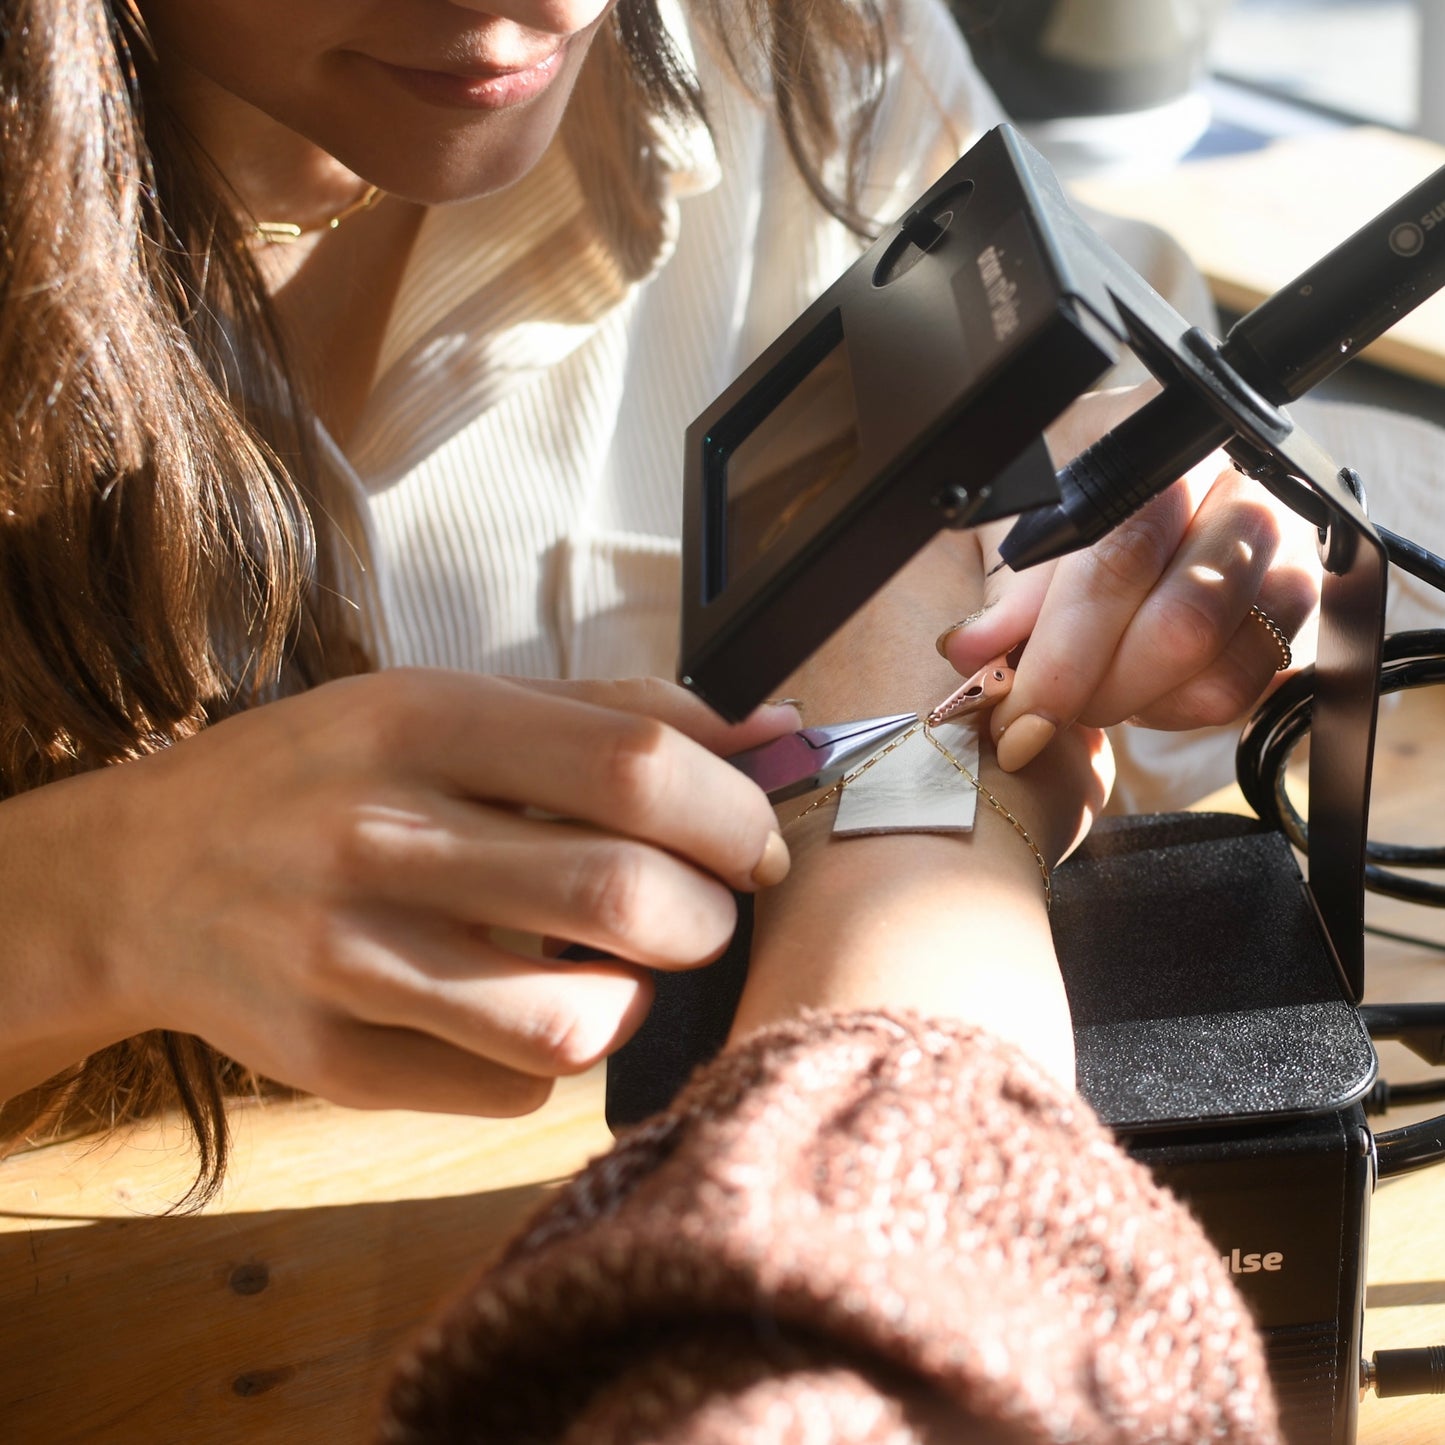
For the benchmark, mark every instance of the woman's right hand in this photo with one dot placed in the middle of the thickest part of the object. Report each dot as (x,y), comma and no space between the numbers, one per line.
(313,886)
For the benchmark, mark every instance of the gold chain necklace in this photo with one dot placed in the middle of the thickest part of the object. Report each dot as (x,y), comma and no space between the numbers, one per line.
(283,233)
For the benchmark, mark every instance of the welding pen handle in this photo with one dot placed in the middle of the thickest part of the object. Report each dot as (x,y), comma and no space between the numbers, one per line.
(1349,298)
(1112,479)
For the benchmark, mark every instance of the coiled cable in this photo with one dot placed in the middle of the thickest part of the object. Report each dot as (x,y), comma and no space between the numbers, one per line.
(1280,724)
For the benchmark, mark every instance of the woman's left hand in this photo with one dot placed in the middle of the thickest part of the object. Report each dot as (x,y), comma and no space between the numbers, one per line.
(1153,623)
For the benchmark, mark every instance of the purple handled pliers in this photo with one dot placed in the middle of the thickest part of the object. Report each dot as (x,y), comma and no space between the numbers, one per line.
(817,757)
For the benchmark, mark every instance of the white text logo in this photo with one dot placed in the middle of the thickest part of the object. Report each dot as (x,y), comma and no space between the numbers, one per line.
(1238,1263)
(1001,292)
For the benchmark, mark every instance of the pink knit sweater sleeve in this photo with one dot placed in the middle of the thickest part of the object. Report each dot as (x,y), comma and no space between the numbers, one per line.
(858,1228)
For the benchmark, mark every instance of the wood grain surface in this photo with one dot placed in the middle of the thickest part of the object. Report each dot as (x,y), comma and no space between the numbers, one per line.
(269,1317)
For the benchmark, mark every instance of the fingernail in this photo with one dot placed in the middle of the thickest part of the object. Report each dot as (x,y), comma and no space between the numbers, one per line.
(1023,740)
(774,864)
(795,702)
(942,640)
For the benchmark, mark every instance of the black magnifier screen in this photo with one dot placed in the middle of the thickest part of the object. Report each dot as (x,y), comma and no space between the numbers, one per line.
(790,457)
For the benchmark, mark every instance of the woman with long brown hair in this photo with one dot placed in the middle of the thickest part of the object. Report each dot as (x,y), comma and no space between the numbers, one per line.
(352,335)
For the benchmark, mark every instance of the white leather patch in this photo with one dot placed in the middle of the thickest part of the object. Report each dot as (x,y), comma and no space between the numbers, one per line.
(915,789)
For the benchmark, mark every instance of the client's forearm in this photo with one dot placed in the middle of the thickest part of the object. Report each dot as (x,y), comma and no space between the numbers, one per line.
(945,924)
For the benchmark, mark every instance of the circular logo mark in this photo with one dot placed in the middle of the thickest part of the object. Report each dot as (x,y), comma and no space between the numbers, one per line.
(1407,239)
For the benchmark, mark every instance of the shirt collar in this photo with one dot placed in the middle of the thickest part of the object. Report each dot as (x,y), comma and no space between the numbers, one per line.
(499,288)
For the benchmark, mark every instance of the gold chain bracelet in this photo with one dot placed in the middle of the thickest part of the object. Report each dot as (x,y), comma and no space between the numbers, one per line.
(1002,811)
(989,798)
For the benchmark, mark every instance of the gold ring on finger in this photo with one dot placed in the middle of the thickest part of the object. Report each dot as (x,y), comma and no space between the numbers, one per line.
(1281,640)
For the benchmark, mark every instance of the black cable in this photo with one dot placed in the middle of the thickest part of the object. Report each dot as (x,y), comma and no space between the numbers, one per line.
(1410,660)
(1421,1028)
(1411,557)
(1413,939)
(1405,1372)
(1384,1095)
(1415,1146)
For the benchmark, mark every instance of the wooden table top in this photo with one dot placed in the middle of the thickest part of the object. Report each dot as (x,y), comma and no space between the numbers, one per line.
(269,1317)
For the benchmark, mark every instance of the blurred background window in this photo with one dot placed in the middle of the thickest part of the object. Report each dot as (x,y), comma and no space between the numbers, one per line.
(1100,84)
(1359,58)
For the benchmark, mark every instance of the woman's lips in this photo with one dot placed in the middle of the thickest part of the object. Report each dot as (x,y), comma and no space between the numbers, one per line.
(489,90)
